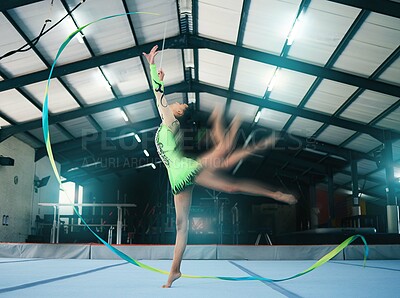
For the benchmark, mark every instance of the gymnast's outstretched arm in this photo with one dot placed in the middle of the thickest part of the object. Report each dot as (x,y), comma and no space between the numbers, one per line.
(166,114)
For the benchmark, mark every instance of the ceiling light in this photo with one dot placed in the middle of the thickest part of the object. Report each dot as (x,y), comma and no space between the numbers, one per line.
(294,31)
(138,138)
(80,37)
(273,81)
(146,153)
(258,115)
(153,166)
(123,114)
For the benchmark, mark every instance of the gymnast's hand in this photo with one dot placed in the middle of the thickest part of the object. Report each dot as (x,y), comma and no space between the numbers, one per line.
(161,74)
(150,56)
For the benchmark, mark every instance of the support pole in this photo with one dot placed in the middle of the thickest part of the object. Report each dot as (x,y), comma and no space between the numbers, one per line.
(356,209)
(331,198)
(393,225)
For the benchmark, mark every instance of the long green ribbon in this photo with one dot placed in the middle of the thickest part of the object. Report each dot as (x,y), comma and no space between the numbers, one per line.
(46,133)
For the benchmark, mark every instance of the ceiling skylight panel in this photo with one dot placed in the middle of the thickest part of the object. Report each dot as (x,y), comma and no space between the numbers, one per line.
(391,121)
(253,77)
(376,39)
(291,86)
(89,86)
(79,127)
(31,19)
(141,111)
(246,111)
(56,135)
(3,123)
(17,107)
(368,106)
(363,143)
(365,166)
(210,101)
(304,127)
(149,28)
(269,23)
(392,73)
(220,19)
(126,77)
(110,119)
(340,178)
(329,96)
(319,38)
(172,65)
(19,63)
(60,100)
(335,135)
(215,68)
(273,119)
(106,36)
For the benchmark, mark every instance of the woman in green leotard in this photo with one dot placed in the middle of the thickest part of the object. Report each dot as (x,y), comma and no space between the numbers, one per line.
(184,172)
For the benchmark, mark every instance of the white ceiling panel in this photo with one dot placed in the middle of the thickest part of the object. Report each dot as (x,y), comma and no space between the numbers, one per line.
(341,178)
(108,35)
(149,28)
(245,111)
(60,100)
(273,119)
(291,86)
(56,136)
(376,39)
(215,68)
(89,86)
(209,102)
(219,19)
(391,121)
(3,123)
(141,111)
(396,150)
(379,175)
(304,127)
(335,135)
(175,97)
(31,19)
(329,96)
(269,23)
(79,127)
(368,106)
(172,65)
(110,119)
(253,77)
(126,77)
(363,143)
(365,166)
(29,140)
(392,73)
(317,38)
(17,107)
(20,63)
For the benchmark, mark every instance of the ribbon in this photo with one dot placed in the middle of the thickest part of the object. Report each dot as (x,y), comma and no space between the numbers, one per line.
(46,134)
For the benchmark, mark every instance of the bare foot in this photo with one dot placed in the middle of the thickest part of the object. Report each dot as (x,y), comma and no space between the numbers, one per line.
(287,198)
(171,278)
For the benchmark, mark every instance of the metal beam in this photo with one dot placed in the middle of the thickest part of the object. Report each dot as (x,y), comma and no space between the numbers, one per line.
(299,66)
(96,61)
(6,5)
(316,116)
(195,42)
(386,7)
(97,138)
(96,108)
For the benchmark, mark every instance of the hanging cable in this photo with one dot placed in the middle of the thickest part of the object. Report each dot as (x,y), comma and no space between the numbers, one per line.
(30,44)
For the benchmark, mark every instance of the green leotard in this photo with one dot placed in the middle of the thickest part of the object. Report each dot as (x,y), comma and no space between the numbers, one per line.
(181,170)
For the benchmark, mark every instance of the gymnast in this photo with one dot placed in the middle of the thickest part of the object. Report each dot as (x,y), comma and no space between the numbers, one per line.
(184,172)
